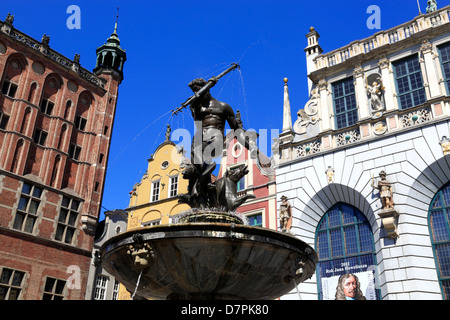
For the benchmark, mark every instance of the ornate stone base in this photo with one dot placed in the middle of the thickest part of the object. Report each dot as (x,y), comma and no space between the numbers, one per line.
(389,218)
(198,216)
(190,261)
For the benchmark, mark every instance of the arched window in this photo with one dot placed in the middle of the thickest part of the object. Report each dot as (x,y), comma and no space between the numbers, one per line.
(67,110)
(26,117)
(50,92)
(344,243)
(62,136)
(439,224)
(82,112)
(55,171)
(32,92)
(12,76)
(16,157)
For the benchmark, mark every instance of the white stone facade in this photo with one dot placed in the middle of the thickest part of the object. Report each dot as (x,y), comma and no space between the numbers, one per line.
(403,142)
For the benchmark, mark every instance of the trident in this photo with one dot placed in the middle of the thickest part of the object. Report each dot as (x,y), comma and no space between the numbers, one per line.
(211,83)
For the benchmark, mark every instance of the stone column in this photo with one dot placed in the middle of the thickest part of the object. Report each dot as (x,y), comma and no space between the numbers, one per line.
(361,93)
(325,111)
(388,84)
(431,78)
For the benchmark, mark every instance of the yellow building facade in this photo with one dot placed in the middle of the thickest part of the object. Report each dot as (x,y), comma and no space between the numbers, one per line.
(153,201)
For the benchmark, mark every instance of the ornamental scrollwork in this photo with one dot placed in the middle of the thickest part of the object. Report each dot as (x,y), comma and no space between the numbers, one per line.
(348,137)
(416,117)
(308,148)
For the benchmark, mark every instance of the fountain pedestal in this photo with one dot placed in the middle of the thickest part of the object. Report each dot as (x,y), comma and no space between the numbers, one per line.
(210,254)
(210,260)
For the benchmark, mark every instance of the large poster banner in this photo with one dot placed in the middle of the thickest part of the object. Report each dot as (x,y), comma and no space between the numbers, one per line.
(350,286)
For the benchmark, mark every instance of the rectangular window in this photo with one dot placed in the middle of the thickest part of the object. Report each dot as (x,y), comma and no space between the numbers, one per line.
(11,284)
(9,88)
(444,51)
(67,220)
(115,295)
(173,189)
(40,136)
(408,76)
(155,191)
(27,211)
(47,106)
(152,223)
(255,220)
(80,122)
(100,287)
(3,120)
(241,184)
(54,289)
(345,106)
(74,151)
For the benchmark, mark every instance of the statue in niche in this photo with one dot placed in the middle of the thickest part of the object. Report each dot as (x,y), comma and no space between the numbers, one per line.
(375,90)
(375,95)
(385,188)
(285,214)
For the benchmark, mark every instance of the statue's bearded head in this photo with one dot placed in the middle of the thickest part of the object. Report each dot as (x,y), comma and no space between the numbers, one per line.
(197,84)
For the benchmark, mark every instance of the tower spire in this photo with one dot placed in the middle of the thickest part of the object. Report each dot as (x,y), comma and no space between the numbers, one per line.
(110,56)
(117,21)
(287,119)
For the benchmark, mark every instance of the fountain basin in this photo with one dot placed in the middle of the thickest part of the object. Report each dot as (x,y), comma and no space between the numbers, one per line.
(208,261)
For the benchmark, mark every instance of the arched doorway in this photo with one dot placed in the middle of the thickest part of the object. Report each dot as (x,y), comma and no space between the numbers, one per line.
(345,245)
(439,224)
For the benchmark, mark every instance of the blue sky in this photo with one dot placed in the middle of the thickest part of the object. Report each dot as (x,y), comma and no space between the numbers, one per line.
(171,42)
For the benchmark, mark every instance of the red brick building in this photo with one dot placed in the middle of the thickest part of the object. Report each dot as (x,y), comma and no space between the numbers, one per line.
(56,121)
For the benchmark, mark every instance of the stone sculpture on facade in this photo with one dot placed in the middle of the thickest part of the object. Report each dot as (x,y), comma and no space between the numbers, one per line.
(45,39)
(375,89)
(285,213)
(168,131)
(388,214)
(275,159)
(9,18)
(385,189)
(445,144)
(330,174)
(431,6)
(375,95)
(308,117)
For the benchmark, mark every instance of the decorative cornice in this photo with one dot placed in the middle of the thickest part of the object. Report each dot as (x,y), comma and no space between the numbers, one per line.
(43,48)
(422,27)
